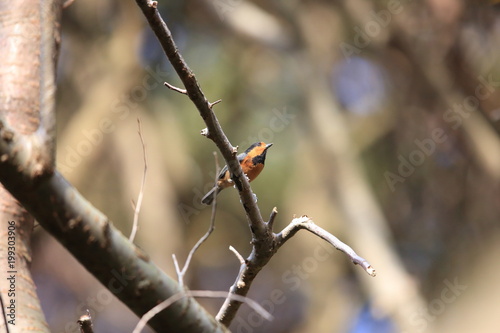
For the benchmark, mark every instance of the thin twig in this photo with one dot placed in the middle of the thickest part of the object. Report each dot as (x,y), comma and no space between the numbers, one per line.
(200,293)
(137,209)
(174,88)
(270,223)
(237,254)
(304,222)
(216,102)
(211,228)
(180,276)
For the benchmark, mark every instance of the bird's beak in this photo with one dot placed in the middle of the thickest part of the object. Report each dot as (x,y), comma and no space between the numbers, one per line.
(268,145)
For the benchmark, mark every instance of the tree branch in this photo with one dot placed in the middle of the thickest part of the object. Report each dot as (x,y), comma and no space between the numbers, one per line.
(199,293)
(306,223)
(29,41)
(90,236)
(257,260)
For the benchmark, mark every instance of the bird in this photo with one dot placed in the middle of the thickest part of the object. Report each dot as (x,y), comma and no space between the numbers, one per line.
(252,163)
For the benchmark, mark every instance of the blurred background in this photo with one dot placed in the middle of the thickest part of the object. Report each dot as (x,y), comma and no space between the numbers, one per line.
(385,119)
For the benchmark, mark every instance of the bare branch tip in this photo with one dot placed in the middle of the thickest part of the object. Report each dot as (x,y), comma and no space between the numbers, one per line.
(214,103)
(270,223)
(153,4)
(174,88)
(370,270)
(237,254)
(176,263)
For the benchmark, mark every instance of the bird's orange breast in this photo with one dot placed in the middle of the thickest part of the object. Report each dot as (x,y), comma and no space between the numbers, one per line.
(250,169)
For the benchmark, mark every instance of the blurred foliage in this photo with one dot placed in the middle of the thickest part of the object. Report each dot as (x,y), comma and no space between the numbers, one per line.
(394,72)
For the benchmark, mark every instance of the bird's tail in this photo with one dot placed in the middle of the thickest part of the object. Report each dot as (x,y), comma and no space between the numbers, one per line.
(209,197)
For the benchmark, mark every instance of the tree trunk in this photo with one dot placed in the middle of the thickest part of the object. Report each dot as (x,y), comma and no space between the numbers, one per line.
(21,83)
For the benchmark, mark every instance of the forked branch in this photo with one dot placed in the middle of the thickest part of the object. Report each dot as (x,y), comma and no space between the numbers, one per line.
(304,222)
(257,260)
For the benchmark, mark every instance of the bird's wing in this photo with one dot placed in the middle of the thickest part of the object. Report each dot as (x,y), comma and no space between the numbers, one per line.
(241,156)
(223,171)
